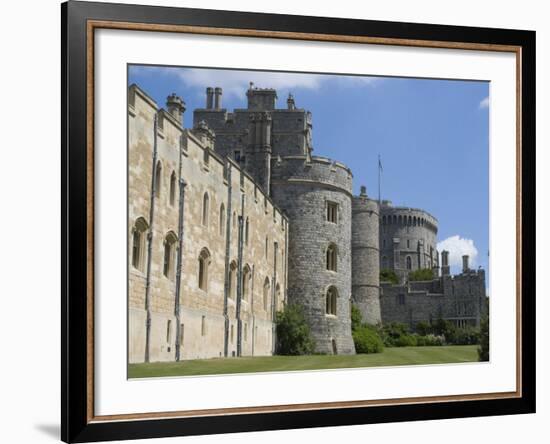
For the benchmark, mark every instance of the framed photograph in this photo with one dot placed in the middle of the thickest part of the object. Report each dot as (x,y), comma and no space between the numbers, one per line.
(276,221)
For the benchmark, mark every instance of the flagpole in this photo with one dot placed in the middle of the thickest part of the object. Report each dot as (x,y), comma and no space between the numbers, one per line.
(379,168)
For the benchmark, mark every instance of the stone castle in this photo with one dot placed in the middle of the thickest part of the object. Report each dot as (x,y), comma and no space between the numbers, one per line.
(235,217)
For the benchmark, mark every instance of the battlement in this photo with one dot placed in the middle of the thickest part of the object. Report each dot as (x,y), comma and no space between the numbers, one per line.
(407,216)
(315,170)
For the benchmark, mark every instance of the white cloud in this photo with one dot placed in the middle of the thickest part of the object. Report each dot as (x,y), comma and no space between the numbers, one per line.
(235,83)
(484,103)
(457,247)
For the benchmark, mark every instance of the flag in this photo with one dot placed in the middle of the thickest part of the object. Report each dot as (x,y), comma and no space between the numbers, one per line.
(380,164)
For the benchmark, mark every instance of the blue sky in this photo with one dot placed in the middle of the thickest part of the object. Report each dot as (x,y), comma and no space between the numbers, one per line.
(432,136)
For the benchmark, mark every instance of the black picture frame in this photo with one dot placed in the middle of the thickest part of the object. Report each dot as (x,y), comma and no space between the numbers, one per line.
(77,425)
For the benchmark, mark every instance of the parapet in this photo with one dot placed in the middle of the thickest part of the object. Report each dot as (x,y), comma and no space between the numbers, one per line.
(319,171)
(406,216)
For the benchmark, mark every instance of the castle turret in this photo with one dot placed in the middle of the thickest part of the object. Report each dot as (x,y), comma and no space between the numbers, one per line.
(465,265)
(217,98)
(176,107)
(365,271)
(445,269)
(258,153)
(261,98)
(209,97)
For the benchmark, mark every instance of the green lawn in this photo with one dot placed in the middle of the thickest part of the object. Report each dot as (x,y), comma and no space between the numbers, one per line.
(390,356)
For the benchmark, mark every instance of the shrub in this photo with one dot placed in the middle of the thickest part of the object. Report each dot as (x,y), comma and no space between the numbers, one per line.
(423,328)
(422,274)
(429,340)
(466,336)
(483,349)
(406,340)
(293,334)
(367,340)
(389,276)
(356,318)
(391,333)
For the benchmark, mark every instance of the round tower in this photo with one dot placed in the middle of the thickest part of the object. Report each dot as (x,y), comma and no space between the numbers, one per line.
(408,240)
(365,271)
(315,194)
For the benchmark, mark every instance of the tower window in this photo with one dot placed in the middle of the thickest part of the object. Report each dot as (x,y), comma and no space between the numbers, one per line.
(237,155)
(332,257)
(409,263)
(332,295)
(205,209)
(332,212)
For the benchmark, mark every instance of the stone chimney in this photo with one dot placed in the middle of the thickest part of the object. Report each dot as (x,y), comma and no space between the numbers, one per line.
(209,97)
(290,102)
(465,266)
(363,191)
(176,107)
(445,270)
(217,98)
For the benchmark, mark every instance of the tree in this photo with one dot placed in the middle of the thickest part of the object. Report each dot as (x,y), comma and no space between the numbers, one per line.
(293,334)
(483,349)
(389,276)
(356,318)
(422,274)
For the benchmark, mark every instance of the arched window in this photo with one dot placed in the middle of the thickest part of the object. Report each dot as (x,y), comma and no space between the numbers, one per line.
(332,257)
(204,263)
(277,296)
(233,280)
(267,287)
(158,179)
(205,209)
(173,188)
(169,255)
(246,282)
(246,227)
(332,295)
(139,234)
(222,219)
(409,263)
(266,248)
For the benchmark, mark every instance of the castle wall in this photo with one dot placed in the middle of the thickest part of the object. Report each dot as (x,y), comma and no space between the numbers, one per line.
(459,299)
(304,189)
(408,240)
(365,272)
(202,320)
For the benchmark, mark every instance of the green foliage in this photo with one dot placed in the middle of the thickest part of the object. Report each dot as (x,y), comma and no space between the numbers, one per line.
(429,340)
(293,334)
(389,276)
(422,274)
(356,318)
(367,340)
(483,349)
(393,333)
(423,328)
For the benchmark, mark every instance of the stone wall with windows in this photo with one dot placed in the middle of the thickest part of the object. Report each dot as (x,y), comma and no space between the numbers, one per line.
(234,240)
(408,240)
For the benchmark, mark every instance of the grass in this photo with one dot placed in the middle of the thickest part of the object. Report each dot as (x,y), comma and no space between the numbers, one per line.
(389,357)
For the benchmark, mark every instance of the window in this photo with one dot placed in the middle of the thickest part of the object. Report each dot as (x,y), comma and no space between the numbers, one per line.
(138,243)
(246,282)
(237,155)
(222,220)
(332,212)
(332,294)
(408,243)
(384,243)
(246,231)
(232,333)
(205,205)
(275,252)
(232,280)
(266,248)
(234,220)
(277,297)
(158,179)
(204,262)
(173,188)
(203,326)
(267,287)
(169,253)
(168,331)
(409,263)
(332,257)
